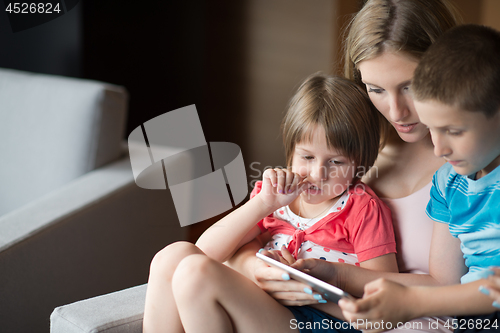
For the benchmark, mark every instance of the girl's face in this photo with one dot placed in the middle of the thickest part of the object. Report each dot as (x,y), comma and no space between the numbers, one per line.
(387,79)
(329,173)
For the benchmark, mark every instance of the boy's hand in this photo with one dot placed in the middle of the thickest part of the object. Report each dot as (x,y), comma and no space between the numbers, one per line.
(493,286)
(384,302)
(280,187)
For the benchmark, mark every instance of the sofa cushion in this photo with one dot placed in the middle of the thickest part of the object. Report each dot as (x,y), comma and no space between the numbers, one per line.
(121,311)
(53,130)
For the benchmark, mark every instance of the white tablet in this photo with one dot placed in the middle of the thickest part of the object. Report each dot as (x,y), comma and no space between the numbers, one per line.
(329,292)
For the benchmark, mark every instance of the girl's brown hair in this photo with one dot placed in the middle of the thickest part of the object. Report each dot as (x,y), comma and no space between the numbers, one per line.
(408,26)
(342,109)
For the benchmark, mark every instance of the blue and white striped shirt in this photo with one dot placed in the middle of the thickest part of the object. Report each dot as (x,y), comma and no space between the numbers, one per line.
(471,208)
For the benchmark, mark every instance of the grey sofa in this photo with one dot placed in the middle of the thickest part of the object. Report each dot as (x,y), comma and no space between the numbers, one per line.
(121,311)
(73,224)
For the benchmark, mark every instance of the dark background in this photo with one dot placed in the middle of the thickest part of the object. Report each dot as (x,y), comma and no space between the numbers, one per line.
(168,54)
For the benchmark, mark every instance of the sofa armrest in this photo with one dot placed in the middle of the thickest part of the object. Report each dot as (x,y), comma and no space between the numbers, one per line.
(94,236)
(66,201)
(121,311)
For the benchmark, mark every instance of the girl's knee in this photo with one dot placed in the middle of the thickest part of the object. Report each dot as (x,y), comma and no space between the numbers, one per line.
(193,275)
(167,259)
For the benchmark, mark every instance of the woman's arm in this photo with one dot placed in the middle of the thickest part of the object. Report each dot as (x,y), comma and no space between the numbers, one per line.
(446,260)
(269,279)
(353,279)
(384,263)
(244,259)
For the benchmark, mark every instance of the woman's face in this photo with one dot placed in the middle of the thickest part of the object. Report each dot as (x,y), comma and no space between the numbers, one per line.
(387,79)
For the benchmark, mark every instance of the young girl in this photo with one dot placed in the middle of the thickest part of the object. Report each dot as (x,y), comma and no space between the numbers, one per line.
(316,208)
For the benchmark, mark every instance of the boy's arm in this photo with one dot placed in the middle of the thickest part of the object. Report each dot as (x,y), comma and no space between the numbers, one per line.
(454,300)
(446,263)
(393,303)
(446,267)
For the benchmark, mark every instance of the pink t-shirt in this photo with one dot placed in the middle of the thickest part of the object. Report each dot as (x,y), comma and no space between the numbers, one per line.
(413,229)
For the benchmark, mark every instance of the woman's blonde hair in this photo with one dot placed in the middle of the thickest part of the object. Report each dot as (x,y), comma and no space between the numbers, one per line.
(342,109)
(408,26)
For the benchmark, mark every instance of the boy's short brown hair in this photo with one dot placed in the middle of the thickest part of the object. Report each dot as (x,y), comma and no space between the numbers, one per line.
(462,69)
(342,109)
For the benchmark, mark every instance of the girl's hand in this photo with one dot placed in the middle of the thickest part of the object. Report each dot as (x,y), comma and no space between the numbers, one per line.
(278,284)
(280,187)
(493,287)
(384,302)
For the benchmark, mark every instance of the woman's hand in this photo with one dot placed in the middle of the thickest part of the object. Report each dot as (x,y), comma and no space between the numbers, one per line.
(493,287)
(278,284)
(280,187)
(284,256)
(321,269)
(384,305)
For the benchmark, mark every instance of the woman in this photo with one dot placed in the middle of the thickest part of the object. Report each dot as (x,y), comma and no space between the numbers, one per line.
(386,39)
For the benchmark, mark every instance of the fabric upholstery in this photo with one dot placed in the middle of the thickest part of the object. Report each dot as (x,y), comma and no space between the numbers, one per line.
(53,130)
(73,223)
(121,311)
(99,234)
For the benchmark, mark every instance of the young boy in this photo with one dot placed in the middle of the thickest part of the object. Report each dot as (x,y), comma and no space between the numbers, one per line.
(456,89)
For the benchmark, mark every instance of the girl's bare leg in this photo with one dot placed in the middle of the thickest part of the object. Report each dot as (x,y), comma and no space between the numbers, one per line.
(212,297)
(160,313)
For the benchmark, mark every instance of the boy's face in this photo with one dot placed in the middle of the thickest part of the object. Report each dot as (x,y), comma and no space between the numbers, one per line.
(469,141)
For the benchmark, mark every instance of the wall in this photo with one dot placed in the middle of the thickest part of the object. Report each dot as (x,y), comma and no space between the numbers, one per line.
(286,42)
(490,14)
(486,12)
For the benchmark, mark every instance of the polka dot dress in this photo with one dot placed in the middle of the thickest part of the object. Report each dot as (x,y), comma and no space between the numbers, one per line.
(310,249)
